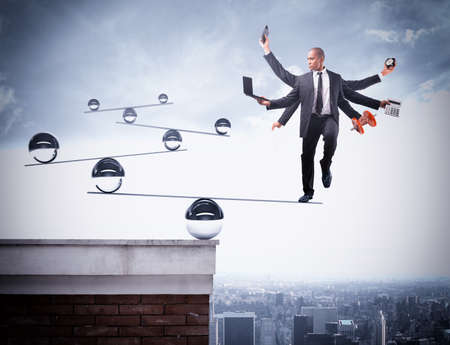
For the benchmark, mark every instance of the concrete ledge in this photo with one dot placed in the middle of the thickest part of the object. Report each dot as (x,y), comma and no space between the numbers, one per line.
(107,285)
(107,266)
(91,242)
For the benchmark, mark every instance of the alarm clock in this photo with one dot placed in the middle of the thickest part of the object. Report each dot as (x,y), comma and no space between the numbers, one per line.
(390,63)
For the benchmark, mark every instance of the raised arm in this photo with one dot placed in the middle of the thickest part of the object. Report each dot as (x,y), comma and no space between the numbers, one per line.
(276,66)
(279,70)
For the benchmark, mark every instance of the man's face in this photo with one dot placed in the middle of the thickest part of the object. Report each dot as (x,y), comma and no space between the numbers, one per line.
(315,63)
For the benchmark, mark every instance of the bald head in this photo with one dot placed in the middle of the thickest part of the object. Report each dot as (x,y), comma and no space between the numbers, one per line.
(316,57)
(319,51)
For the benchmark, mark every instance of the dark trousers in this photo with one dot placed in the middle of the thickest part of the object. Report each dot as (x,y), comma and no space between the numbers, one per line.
(319,125)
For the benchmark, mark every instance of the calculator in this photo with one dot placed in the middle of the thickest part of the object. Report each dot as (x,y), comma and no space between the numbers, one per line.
(393,109)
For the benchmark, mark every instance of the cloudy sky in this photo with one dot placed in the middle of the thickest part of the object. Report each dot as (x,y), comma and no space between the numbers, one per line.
(386,214)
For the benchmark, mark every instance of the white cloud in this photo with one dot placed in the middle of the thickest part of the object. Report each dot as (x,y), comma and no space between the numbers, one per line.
(6,97)
(412,36)
(9,113)
(379,6)
(409,36)
(427,86)
(387,36)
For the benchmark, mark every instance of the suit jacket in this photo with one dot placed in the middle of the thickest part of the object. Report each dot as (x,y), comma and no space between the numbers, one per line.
(348,87)
(303,93)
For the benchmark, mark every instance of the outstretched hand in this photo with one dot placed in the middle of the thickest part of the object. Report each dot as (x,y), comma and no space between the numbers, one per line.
(265,45)
(263,101)
(386,70)
(383,103)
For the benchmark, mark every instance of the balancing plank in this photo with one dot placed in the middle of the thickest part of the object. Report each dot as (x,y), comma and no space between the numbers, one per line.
(123,108)
(178,129)
(209,197)
(97,158)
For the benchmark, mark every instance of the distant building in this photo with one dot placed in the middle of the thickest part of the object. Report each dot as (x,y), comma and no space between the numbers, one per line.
(319,339)
(279,299)
(239,328)
(380,330)
(219,330)
(302,325)
(320,317)
(267,332)
(347,328)
(331,328)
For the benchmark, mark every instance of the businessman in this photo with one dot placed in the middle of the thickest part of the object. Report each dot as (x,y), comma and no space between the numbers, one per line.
(348,87)
(320,92)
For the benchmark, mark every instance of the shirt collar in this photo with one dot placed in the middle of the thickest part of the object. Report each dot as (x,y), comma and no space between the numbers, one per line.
(324,71)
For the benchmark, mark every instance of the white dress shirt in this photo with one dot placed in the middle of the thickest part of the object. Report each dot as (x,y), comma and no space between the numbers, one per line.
(326,109)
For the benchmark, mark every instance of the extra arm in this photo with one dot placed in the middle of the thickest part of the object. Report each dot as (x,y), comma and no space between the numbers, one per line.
(286,101)
(287,113)
(357,98)
(345,106)
(279,70)
(363,83)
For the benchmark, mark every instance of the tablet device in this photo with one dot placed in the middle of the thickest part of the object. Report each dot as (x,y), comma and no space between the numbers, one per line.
(248,88)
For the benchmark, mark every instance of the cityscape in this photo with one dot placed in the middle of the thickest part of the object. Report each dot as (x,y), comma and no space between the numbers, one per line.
(269,312)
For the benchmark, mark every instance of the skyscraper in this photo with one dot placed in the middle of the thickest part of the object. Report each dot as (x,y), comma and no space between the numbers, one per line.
(239,328)
(347,328)
(320,316)
(267,332)
(219,329)
(302,326)
(279,300)
(380,330)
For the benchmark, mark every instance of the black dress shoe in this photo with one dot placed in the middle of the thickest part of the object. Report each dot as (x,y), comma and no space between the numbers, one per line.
(305,198)
(326,179)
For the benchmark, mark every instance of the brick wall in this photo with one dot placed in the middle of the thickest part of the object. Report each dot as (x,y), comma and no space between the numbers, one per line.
(104,319)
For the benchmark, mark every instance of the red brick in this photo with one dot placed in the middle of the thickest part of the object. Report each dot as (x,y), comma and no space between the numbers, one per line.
(75,320)
(117,299)
(164,341)
(119,341)
(197,320)
(96,309)
(27,341)
(141,331)
(163,299)
(186,330)
(93,331)
(118,320)
(197,299)
(74,341)
(142,309)
(201,340)
(51,309)
(183,309)
(163,320)
(36,320)
(73,299)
